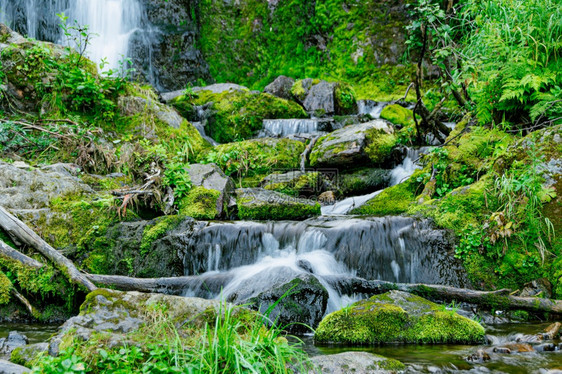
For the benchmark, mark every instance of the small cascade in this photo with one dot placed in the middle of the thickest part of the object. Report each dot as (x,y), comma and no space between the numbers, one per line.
(111,23)
(285,127)
(245,258)
(347,205)
(306,152)
(370,107)
(410,164)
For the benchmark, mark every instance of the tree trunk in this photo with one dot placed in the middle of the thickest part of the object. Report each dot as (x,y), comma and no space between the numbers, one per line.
(9,252)
(17,229)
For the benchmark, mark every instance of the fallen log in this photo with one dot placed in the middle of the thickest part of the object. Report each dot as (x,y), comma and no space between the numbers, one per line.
(16,228)
(495,300)
(201,286)
(32,311)
(7,251)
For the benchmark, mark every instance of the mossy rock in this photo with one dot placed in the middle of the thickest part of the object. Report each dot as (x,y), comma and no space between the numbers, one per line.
(346,99)
(256,156)
(356,362)
(398,115)
(397,317)
(239,115)
(296,183)
(200,203)
(261,204)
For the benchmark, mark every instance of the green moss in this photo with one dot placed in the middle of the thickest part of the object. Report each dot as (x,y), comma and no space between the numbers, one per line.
(380,145)
(200,203)
(255,157)
(345,97)
(157,229)
(398,115)
(5,288)
(394,200)
(239,115)
(282,207)
(298,91)
(376,321)
(306,184)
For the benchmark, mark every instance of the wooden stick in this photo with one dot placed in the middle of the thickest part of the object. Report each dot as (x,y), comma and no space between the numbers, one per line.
(16,228)
(6,250)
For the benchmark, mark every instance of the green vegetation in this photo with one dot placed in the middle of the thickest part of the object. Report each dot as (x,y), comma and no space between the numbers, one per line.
(200,203)
(278,207)
(239,115)
(397,317)
(228,340)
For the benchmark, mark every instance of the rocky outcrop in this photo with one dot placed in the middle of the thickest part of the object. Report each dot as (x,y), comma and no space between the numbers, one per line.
(24,188)
(261,204)
(280,87)
(370,142)
(211,177)
(397,317)
(7,367)
(118,313)
(355,362)
(132,105)
(13,341)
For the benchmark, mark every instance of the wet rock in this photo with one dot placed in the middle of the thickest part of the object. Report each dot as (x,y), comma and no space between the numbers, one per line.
(281,87)
(7,367)
(211,177)
(552,331)
(13,341)
(363,181)
(302,301)
(321,98)
(24,355)
(537,288)
(546,347)
(478,357)
(296,183)
(327,198)
(502,350)
(262,204)
(354,362)
(366,143)
(397,316)
(35,188)
(514,348)
(117,313)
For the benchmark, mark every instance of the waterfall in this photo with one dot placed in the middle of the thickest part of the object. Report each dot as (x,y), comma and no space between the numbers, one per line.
(286,127)
(110,23)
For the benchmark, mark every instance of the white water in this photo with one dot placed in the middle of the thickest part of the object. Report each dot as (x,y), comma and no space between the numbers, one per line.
(285,127)
(373,108)
(110,23)
(398,175)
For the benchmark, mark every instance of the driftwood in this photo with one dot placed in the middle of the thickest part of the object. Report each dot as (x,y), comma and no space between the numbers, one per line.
(32,311)
(141,284)
(7,251)
(16,228)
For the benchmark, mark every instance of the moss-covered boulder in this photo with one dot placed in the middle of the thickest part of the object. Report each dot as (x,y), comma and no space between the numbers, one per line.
(237,115)
(398,115)
(397,317)
(362,181)
(261,204)
(119,315)
(296,183)
(356,362)
(325,98)
(255,157)
(370,142)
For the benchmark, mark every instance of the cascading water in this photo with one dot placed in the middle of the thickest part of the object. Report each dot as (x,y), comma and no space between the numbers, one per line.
(110,23)
(286,127)
(245,258)
(370,107)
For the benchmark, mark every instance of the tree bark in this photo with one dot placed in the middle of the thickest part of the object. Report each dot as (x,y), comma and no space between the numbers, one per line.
(496,300)
(7,251)
(16,228)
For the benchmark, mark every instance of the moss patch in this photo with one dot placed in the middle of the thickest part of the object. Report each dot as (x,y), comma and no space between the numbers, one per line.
(200,203)
(406,319)
(274,206)
(398,115)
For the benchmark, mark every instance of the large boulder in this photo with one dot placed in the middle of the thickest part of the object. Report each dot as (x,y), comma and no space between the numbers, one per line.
(24,187)
(7,367)
(116,314)
(296,302)
(371,142)
(327,97)
(355,362)
(211,177)
(13,341)
(262,204)
(216,88)
(280,87)
(131,105)
(397,317)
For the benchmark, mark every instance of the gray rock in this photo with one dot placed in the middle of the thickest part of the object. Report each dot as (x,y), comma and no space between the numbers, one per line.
(211,177)
(281,87)
(539,287)
(221,87)
(7,367)
(13,341)
(24,355)
(131,105)
(118,313)
(321,98)
(261,204)
(306,85)
(354,362)
(347,146)
(34,188)
(363,181)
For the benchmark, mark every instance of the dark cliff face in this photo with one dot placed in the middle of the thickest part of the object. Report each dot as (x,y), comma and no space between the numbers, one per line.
(165,51)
